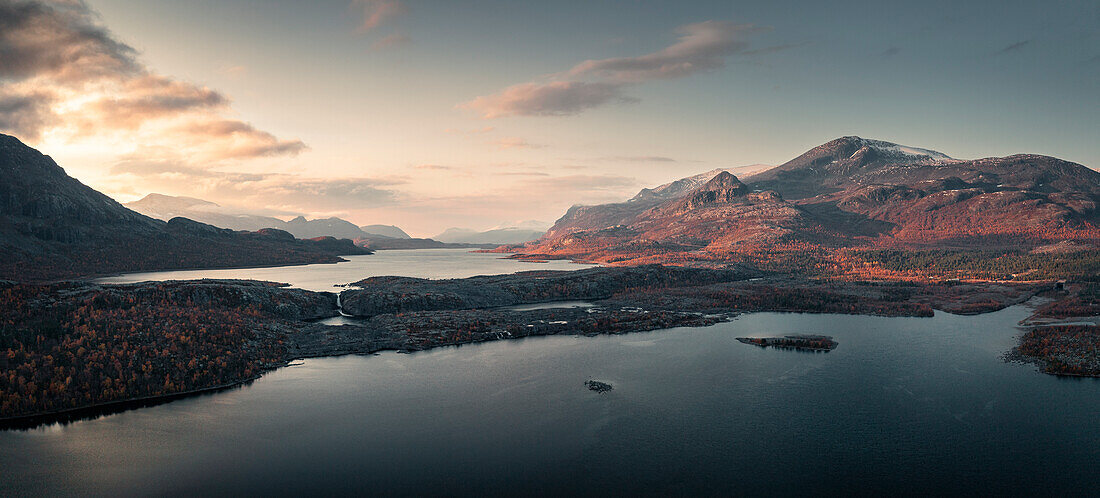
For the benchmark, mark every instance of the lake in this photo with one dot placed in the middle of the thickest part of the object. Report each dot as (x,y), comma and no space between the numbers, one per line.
(904,406)
(422,263)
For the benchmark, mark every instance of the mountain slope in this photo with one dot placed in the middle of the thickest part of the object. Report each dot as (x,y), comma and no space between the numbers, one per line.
(921,197)
(52,226)
(849,192)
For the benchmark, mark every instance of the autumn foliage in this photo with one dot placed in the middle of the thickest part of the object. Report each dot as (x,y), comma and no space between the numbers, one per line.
(59,352)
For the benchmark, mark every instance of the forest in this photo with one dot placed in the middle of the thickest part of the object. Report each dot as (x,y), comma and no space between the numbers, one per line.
(1064,350)
(64,346)
(990,265)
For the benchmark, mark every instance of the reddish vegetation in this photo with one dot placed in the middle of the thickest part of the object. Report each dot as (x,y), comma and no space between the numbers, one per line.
(1064,350)
(67,346)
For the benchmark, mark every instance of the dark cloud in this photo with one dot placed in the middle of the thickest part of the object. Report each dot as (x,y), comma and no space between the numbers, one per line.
(62,69)
(60,40)
(25,115)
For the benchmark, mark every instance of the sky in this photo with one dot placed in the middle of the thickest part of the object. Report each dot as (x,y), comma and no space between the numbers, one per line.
(436,114)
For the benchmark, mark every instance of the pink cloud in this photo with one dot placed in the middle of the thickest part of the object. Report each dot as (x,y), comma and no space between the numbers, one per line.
(557,98)
(377,12)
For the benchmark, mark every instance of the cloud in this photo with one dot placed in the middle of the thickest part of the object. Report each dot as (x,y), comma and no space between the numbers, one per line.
(335,193)
(639,159)
(271,191)
(700,47)
(65,75)
(523,173)
(240,140)
(146,98)
(434,167)
(516,143)
(890,52)
(60,40)
(1015,47)
(377,12)
(531,194)
(478,131)
(557,98)
(25,115)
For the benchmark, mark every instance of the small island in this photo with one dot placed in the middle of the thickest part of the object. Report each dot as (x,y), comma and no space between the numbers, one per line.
(815,343)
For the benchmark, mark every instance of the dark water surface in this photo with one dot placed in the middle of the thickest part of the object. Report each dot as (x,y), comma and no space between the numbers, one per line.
(904,406)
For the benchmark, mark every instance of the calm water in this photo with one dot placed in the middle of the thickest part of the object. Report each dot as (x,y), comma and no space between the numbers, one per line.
(904,406)
(423,263)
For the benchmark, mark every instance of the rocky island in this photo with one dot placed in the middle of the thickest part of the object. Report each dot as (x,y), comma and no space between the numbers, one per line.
(815,343)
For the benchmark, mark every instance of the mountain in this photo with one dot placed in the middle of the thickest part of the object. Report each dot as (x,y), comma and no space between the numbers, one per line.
(166,207)
(908,196)
(849,192)
(522,232)
(331,227)
(385,231)
(52,227)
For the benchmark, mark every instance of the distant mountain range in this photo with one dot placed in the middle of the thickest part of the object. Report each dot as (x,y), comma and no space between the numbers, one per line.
(52,226)
(512,233)
(849,192)
(166,207)
(368,236)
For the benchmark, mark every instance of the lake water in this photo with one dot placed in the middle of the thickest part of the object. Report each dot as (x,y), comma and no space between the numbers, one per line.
(905,406)
(422,263)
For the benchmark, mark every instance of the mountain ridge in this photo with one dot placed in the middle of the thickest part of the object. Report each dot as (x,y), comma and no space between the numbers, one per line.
(849,192)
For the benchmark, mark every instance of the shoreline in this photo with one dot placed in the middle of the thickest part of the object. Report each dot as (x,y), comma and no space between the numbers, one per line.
(625,300)
(91,412)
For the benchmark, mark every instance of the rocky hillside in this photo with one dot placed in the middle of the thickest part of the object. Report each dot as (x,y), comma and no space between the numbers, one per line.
(916,197)
(52,226)
(849,192)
